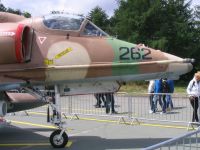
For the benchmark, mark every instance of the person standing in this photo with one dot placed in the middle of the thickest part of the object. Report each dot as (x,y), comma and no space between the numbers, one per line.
(170,104)
(150,92)
(100,98)
(193,90)
(165,91)
(110,103)
(157,94)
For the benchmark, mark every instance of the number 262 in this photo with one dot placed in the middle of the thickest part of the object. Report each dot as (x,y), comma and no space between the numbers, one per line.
(134,53)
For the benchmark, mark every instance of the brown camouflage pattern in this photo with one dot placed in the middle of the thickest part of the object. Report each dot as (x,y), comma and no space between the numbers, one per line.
(56,57)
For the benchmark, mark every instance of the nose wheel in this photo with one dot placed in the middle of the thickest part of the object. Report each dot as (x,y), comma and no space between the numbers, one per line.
(58,139)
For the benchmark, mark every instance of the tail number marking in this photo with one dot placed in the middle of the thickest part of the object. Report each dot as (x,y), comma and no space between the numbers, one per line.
(134,53)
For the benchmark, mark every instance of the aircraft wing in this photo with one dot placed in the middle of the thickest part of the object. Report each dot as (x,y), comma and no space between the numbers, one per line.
(13,100)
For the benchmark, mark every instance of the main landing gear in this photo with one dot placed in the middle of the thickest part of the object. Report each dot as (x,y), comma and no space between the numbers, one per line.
(58,138)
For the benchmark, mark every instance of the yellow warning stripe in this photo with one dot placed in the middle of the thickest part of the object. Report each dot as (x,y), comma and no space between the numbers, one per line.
(51,61)
(24,144)
(63,53)
(116,121)
(164,126)
(36,125)
(69,143)
(37,113)
(32,124)
(144,124)
(48,61)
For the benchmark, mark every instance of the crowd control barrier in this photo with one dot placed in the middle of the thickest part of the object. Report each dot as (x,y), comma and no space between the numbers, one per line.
(132,107)
(188,141)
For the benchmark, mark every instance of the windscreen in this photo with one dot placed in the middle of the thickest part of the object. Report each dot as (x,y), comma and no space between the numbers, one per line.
(93,30)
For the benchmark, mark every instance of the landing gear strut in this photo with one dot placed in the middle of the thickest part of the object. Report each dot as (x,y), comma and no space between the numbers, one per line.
(58,138)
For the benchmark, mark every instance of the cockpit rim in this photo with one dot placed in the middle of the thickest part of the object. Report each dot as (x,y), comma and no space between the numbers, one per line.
(82,26)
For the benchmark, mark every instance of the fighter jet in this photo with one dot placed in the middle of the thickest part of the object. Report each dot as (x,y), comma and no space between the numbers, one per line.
(74,56)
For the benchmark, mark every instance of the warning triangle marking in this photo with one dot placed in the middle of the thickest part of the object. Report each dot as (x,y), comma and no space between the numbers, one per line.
(42,39)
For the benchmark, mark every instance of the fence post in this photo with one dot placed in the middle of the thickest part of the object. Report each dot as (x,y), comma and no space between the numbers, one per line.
(130,110)
(199,105)
(70,105)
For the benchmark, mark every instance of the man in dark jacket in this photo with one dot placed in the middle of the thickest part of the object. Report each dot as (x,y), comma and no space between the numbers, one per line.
(100,98)
(165,91)
(169,97)
(110,103)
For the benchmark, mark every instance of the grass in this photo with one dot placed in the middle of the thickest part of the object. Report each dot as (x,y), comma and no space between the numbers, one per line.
(142,87)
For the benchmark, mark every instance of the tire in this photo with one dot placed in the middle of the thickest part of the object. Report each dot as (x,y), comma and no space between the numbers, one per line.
(58,143)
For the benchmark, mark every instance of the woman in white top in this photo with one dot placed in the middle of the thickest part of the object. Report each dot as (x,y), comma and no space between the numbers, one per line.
(193,90)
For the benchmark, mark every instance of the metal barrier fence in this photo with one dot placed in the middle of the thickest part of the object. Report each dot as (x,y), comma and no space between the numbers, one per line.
(134,107)
(188,141)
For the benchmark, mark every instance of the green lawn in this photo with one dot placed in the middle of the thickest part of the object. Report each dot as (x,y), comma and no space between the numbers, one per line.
(142,86)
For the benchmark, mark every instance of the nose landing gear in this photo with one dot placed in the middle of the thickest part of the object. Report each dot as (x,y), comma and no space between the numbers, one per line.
(58,138)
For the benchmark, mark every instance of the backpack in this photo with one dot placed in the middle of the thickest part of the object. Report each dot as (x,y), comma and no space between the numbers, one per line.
(165,86)
(192,85)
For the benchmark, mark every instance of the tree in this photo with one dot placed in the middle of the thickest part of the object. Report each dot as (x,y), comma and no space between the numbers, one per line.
(14,11)
(2,8)
(197,16)
(26,14)
(196,37)
(162,24)
(99,17)
(197,12)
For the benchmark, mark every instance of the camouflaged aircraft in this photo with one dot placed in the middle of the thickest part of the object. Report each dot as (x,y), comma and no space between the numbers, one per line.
(74,56)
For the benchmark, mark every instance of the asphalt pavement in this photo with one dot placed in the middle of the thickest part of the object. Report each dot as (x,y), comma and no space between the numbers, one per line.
(32,132)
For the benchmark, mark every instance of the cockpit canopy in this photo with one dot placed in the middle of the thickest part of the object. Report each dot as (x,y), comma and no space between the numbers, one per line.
(63,22)
(92,30)
(67,22)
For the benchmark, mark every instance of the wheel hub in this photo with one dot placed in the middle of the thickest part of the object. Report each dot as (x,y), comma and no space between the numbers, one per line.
(58,140)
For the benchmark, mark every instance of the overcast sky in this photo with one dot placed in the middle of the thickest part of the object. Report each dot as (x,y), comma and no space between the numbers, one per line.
(42,7)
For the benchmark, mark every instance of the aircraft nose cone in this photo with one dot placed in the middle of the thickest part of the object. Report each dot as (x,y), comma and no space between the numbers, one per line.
(172,57)
(180,68)
(179,65)
(190,67)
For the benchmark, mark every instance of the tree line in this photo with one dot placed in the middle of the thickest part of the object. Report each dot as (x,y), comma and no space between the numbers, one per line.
(14,11)
(169,25)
